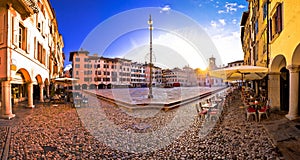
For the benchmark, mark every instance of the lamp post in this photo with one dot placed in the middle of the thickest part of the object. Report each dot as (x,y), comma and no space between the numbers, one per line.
(150,22)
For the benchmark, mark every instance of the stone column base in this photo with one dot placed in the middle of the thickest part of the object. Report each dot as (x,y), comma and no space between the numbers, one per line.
(292,117)
(32,106)
(5,116)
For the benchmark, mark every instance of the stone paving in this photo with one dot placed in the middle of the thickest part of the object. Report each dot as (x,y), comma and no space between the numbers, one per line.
(161,96)
(93,132)
(285,134)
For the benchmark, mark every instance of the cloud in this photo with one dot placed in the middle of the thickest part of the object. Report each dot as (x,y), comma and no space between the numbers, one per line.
(165,8)
(229,47)
(68,67)
(222,21)
(221,11)
(234,21)
(230,7)
(241,6)
(213,24)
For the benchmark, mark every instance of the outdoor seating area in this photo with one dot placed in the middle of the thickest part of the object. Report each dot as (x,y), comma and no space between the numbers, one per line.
(211,108)
(74,98)
(256,106)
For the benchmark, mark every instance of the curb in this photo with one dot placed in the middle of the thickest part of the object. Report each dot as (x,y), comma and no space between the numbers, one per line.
(7,143)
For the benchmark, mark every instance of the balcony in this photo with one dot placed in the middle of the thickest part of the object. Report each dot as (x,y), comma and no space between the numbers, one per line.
(24,7)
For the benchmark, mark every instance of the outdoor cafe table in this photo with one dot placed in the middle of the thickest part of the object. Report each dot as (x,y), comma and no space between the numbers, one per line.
(218,100)
(209,105)
(254,105)
(77,101)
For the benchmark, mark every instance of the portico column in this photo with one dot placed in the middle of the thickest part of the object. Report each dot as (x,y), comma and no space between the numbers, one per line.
(41,92)
(256,87)
(294,91)
(274,90)
(6,100)
(30,94)
(48,90)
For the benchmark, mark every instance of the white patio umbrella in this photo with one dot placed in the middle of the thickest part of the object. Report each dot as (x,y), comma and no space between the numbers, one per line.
(65,81)
(244,72)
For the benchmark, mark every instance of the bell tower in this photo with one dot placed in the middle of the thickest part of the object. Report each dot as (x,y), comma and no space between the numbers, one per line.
(212,63)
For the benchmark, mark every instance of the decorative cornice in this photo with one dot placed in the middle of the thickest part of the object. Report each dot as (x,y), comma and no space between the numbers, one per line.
(293,68)
(274,73)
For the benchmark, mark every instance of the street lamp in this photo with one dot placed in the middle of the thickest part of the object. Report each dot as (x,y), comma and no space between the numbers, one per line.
(150,22)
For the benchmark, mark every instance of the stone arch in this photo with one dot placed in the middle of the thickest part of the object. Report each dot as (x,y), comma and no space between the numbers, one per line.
(47,82)
(84,86)
(38,88)
(296,56)
(294,107)
(278,63)
(25,74)
(39,79)
(278,82)
(92,86)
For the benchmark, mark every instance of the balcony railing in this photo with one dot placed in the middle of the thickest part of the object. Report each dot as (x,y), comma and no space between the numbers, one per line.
(32,4)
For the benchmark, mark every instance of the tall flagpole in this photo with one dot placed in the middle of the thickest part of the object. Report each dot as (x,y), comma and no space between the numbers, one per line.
(150,22)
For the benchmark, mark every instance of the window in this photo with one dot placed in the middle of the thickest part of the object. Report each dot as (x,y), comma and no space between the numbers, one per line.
(35,52)
(97,72)
(77,65)
(87,79)
(106,73)
(106,79)
(256,27)
(276,22)
(265,10)
(40,53)
(97,79)
(77,59)
(22,37)
(88,65)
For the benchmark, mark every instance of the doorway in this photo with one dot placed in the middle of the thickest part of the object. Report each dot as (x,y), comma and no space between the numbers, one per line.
(284,89)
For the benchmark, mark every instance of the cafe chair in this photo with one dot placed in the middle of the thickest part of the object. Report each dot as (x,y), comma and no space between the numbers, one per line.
(213,114)
(85,102)
(251,111)
(201,112)
(264,110)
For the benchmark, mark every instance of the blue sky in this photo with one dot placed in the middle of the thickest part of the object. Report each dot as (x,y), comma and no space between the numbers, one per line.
(118,28)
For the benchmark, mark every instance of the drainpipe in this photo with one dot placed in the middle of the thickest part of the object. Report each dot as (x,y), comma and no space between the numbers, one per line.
(268,43)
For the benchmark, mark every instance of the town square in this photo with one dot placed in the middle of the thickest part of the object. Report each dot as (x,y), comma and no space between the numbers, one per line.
(149,80)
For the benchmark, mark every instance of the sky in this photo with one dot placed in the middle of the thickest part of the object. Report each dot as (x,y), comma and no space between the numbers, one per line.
(186,32)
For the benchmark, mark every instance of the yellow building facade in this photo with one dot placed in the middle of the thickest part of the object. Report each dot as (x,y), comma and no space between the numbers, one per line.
(271,38)
(30,52)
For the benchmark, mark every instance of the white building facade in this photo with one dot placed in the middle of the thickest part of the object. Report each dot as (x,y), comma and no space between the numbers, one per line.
(30,52)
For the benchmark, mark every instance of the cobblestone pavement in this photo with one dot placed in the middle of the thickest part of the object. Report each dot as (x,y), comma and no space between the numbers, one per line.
(62,132)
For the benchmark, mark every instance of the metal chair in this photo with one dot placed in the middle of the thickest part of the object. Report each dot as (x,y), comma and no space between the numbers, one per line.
(251,111)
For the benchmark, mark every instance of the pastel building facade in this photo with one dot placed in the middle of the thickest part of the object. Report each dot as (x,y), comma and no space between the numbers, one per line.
(270,38)
(179,77)
(30,52)
(97,72)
